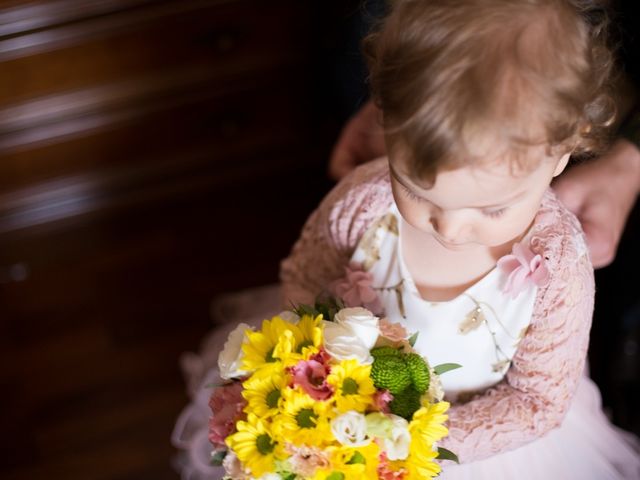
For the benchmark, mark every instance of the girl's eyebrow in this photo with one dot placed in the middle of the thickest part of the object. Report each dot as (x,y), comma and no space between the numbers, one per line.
(495,205)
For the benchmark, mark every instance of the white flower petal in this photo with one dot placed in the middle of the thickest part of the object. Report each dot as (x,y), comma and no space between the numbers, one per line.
(230,358)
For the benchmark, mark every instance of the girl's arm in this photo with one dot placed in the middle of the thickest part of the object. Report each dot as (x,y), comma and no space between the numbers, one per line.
(539,386)
(332,232)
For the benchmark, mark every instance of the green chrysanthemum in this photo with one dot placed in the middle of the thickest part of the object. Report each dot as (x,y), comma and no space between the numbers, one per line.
(419,371)
(390,373)
(405,375)
(406,403)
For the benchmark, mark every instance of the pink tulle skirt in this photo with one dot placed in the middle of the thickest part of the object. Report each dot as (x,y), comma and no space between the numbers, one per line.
(585,447)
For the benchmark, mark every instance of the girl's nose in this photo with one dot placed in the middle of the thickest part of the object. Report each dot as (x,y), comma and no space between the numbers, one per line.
(453,227)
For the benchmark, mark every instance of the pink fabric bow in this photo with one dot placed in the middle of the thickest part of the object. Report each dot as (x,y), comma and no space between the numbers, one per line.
(523,268)
(355,289)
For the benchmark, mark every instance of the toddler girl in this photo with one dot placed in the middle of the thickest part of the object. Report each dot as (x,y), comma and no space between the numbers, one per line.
(456,235)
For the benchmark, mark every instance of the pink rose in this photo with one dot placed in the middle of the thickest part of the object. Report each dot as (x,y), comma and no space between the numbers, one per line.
(524,268)
(355,289)
(227,404)
(311,376)
(393,331)
(392,335)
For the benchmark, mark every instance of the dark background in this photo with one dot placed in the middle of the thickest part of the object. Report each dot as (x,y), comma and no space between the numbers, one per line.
(154,155)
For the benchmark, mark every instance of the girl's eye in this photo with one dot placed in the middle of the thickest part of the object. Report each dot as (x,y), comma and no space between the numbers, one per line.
(412,195)
(495,213)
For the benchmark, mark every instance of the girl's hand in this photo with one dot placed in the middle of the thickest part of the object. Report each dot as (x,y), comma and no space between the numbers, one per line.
(601,193)
(361,140)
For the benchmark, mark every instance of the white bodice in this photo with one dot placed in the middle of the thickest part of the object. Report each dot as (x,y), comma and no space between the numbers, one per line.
(480,329)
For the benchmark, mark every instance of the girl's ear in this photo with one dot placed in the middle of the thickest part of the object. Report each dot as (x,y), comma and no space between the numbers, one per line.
(562,163)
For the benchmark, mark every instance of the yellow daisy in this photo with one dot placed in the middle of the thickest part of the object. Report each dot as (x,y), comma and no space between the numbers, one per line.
(425,429)
(303,420)
(255,446)
(420,462)
(259,348)
(355,463)
(428,422)
(353,386)
(300,341)
(263,393)
(311,334)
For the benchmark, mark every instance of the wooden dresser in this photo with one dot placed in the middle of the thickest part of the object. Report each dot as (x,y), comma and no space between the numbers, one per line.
(107,104)
(153,154)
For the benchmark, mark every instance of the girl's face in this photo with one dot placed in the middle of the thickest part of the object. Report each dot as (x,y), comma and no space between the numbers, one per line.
(487,205)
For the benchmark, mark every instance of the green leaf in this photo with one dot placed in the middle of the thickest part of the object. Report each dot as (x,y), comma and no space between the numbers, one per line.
(217,457)
(413,338)
(445,367)
(288,476)
(357,458)
(444,454)
(302,310)
(335,476)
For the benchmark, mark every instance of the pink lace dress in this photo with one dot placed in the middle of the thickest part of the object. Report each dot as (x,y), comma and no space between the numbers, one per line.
(523,406)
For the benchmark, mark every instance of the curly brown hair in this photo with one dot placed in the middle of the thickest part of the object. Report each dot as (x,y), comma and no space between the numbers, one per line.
(459,81)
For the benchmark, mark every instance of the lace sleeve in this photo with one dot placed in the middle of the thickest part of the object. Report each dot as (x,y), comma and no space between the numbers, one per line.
(332,232)
(538,388)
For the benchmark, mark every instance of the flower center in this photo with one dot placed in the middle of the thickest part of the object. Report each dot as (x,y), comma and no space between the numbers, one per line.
(272,398)
(303,344)
(264,444)
(306,418)
(269,358)
(349,386)
(336,476)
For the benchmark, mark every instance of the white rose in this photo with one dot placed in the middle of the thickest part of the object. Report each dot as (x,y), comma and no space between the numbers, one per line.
(397,446)
(361,322)
(230,358)
(341,343)
(350,429)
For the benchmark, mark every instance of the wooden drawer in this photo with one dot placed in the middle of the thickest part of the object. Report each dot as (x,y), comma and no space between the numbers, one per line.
(235,121)
(235,37)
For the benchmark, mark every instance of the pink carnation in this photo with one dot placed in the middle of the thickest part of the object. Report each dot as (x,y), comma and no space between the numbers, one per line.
(355,289)
(381,400)
(227,404)
(306,460)
(524,268)
(311,375)
(385,472)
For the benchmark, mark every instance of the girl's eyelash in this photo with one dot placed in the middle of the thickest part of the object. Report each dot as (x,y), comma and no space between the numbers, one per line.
(495,213)
(489,213)
(412,195)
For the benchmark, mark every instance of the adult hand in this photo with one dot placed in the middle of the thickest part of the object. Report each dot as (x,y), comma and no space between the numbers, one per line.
(601,193)
(361,140)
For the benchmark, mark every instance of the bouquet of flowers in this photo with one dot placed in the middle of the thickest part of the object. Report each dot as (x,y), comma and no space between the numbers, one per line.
(327,393)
